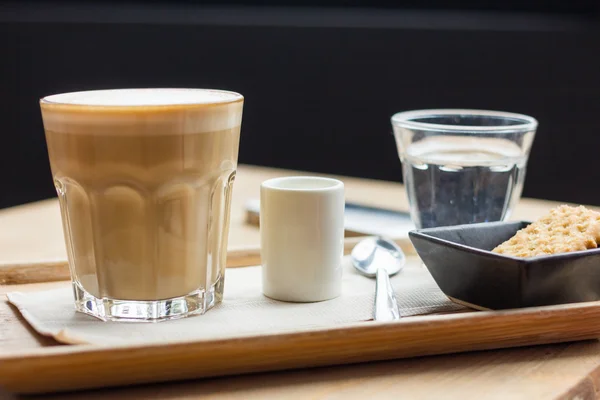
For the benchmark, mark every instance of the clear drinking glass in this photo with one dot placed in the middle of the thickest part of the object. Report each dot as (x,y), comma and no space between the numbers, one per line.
(462,166)
(144,180)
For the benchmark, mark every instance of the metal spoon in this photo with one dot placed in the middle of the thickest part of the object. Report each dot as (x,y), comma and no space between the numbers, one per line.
(380,258)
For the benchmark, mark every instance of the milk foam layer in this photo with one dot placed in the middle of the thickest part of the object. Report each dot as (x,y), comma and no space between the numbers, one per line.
(144,97)
(142,111)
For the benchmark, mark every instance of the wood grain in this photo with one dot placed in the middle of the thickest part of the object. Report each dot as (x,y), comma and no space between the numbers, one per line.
(32,233)
(562,371)
(79,367)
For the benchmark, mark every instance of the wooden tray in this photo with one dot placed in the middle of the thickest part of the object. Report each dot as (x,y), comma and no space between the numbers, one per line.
(60,367)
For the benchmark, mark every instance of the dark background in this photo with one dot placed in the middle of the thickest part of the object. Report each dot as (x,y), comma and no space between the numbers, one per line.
(321,78)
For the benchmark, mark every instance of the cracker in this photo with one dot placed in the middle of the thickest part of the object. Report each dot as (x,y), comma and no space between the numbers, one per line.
(564,229)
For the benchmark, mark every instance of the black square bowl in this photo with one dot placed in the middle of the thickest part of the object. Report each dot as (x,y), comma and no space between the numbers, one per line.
(460,260)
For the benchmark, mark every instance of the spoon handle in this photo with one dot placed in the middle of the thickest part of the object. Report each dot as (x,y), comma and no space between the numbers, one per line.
(386,308)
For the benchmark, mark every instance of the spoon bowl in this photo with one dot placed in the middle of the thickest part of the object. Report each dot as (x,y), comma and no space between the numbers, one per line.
(380,258)
(373,253)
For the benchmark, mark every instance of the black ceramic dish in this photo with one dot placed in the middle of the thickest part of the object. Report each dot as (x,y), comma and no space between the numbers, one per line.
(460,261)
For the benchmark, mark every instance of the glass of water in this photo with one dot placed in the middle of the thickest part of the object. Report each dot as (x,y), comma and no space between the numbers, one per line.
(462,166)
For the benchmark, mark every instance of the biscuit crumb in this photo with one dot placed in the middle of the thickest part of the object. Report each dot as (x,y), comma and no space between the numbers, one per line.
(562,230)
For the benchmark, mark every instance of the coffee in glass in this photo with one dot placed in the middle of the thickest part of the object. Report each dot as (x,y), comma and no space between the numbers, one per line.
(144,179)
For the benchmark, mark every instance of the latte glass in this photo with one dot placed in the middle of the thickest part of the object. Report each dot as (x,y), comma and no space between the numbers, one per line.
(144,179)
(462,166)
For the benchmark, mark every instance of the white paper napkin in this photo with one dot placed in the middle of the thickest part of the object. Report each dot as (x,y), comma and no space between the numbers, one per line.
(244,310)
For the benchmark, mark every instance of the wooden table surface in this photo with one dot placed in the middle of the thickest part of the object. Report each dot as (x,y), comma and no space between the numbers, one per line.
(33,232)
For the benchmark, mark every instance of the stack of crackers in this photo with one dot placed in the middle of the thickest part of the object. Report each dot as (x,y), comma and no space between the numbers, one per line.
(562,230)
